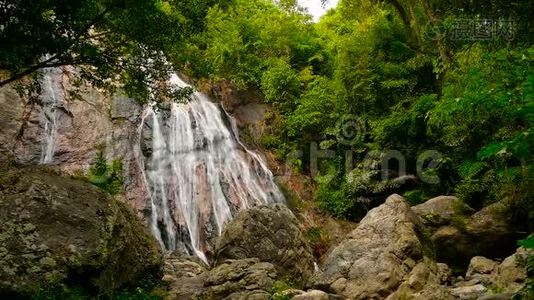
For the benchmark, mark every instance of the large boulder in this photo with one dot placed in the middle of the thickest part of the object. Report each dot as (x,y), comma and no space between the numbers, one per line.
(57,231)
(270,233)
(442,210)
(492,230)
(376,257)
(240,279)
(185,276)
(489,232)
(511,274)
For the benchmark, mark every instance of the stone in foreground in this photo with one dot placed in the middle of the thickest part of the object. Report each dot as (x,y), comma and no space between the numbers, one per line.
(271,234)
(372,262)
(56,231)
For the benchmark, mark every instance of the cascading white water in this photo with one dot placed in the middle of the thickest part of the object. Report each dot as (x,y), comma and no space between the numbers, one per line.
(198,173)
(52,96)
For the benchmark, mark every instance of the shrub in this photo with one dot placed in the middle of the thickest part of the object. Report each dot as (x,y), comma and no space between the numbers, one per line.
(106,176)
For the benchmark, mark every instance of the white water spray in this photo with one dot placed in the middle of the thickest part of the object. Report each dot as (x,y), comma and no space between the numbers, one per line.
(52,97)
(198,173)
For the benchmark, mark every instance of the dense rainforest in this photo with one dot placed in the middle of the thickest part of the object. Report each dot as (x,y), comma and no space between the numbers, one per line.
(416,97)
(398,77)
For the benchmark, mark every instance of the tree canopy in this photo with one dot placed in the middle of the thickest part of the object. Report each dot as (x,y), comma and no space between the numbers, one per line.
(113,43)
(454,77)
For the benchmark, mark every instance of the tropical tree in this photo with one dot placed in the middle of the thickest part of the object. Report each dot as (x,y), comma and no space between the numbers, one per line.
(111,42)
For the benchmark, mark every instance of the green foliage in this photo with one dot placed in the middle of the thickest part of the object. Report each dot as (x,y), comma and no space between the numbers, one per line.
(415,197)
(247,38)
(527,292)
(404,127)
(280,83)
(62,293)
(113,44)
(477,191)
(332,196)
(318,240)
(106,176)
(278,289)
(482,98)
(527,243)
(317,111)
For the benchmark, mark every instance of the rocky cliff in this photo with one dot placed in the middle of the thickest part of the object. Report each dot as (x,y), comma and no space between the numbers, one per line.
(87,122)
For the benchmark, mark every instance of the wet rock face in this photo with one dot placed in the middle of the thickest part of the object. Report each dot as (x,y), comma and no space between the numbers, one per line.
(11,115)
(271,234)
(86,124)
(372,262)
(58,231)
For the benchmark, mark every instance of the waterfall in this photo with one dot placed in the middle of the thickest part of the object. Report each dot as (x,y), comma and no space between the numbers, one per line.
(198,173)
(52,96)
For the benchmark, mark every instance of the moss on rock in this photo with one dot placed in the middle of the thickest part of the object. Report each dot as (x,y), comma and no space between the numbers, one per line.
(61,232)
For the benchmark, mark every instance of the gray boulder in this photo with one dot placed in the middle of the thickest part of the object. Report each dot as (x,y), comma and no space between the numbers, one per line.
(427,280)
(485,276)
(184,275)
(270,233)
(240,279)
(469,292)
(511,275)
(489,232)
(441,210)
(56,231)
(492,231)
(480,269)
(376,257)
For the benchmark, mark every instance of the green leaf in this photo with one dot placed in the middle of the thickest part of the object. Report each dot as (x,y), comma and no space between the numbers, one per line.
(527,243)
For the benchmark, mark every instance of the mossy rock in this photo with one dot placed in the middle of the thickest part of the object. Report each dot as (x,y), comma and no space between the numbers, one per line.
(270,233)
(60,232)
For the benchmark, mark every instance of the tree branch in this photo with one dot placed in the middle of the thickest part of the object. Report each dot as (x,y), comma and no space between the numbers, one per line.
(42,65)
(46,63)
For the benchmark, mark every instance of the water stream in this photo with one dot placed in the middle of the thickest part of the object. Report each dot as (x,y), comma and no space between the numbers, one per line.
(198,173)
(52,96)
